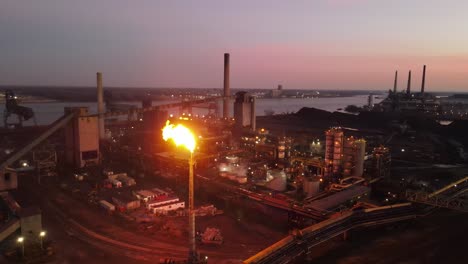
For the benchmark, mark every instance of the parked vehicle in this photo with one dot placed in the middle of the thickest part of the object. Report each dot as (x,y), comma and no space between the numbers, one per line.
(106,205)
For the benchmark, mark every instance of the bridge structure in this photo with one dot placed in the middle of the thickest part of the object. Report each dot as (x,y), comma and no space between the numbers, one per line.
(60,123)
(451,196)
(183,105)
(298,244)
(314,162)
(64,120)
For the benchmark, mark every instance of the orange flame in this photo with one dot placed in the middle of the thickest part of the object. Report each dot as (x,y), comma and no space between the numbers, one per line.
(180,134)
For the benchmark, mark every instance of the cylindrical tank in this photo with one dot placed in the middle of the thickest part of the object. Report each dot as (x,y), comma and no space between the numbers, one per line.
(276,180)
(360,152)
(311,186)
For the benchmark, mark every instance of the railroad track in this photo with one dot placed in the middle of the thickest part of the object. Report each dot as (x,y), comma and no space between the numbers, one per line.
(84,234)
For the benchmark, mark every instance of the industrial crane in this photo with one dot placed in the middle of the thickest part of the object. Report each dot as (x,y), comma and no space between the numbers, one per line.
(12,108)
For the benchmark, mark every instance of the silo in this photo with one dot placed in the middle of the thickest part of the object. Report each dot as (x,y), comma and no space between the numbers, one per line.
(311,186)
(348,156)
(359,154)
(276,180)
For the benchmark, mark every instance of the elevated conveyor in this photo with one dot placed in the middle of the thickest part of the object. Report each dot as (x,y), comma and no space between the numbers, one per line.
(450,196)
(160,107)
(61,122)
(460,183)
(293,246)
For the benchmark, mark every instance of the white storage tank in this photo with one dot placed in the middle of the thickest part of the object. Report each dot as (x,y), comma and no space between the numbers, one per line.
(276,180)
(360,153)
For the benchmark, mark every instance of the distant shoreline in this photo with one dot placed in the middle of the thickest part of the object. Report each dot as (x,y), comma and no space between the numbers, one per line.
(46,101)
(35,101)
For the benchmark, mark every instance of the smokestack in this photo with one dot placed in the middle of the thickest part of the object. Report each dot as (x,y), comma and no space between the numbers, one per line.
(408,88)
(100,106)
(253,117)
(395,82)
(423,80)
(227,91)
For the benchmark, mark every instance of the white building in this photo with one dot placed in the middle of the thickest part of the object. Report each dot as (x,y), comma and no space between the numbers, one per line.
(162,201)
(165,208)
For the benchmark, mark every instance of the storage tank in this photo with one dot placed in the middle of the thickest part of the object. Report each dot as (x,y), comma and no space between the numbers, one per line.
(360,153)
(311,186)
(276,180)
(348,156)
(232,159)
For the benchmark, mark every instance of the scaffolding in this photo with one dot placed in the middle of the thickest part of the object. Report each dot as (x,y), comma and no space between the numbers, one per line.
(45,160)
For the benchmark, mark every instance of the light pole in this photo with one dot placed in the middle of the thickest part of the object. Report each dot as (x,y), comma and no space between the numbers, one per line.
(20,241)
(41,236)
(183,136)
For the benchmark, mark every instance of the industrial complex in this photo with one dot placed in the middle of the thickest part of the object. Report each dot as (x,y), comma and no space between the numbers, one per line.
(164,181)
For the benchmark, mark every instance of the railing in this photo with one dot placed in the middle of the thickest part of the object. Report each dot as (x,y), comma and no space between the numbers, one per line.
(442,197)
(159,107)
(437,201)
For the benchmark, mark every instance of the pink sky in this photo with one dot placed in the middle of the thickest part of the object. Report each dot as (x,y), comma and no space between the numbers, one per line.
(320,44)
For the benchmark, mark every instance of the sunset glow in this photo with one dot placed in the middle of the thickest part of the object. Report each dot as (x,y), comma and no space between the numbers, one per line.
(323,44)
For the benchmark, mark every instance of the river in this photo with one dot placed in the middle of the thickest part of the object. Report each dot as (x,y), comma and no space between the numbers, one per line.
(46,113)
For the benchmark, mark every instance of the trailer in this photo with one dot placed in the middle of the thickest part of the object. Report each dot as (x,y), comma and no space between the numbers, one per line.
(106,205)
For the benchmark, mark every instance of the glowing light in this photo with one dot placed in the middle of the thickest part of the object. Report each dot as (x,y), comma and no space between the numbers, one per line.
(42,234)
(180,134)
(20,239)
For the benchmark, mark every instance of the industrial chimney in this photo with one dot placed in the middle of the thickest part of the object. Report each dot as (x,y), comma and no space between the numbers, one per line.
(408,88)
(100,106)
(423,80)
(227,91)
(395,82)
(253,116)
